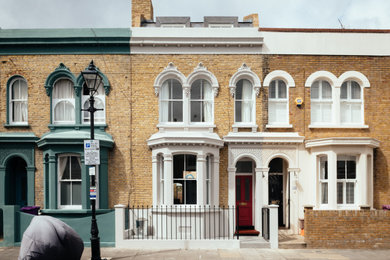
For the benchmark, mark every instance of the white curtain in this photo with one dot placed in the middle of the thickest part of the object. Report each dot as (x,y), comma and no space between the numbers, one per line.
(207,102)
(62,165)
(164,102)
(246,112)
(64,111)
(63,89)
(19,101)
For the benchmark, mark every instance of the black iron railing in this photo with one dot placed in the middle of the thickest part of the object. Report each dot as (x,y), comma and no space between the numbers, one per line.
(265,223)
(178,222)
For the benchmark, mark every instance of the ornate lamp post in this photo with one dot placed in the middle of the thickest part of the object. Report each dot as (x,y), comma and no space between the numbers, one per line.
(93,80)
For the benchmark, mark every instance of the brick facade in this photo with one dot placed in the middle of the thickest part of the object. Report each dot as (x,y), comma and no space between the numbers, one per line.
(347,228)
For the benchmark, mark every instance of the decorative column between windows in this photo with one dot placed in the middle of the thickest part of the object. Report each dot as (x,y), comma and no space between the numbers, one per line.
(214,196)
(258,199)
(332,183)
(2,185)
(156,181)
(232,186)
(168,183)
(52,175)
(201,169)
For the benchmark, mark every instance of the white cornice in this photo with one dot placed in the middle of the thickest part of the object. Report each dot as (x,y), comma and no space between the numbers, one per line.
(363,141)
(263,138)
(184,138)
(195,40)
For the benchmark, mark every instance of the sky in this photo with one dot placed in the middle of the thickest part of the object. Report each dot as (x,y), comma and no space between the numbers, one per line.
(349,14)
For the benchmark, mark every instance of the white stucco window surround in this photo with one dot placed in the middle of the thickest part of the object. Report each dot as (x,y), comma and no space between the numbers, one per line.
(337,102)
(244,88)
(342,171)
(279,82)
(185,168)
(186,102)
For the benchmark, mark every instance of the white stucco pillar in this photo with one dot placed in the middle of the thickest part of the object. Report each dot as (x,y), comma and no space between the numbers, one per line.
(362,180)
(264,191)
(332,180)
(294,199)
(232,186)
(273,226)
(215,181)
(201,179)
(168,181)
(258,199)
(336,105)
(155,181)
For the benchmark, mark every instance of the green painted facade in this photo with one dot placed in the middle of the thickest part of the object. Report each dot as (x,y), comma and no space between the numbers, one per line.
(60,139)
(65,41)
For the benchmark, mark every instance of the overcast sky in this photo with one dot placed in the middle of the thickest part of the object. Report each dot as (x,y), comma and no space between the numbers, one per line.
(361,14)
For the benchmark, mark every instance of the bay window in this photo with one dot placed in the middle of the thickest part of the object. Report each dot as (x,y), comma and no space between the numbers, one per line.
(184,179)
(346,179)
(69,176)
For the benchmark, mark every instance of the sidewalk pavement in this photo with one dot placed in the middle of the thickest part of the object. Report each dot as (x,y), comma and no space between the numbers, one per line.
(11,253)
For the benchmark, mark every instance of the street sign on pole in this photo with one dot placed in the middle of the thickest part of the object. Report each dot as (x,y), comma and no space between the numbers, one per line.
(91,152)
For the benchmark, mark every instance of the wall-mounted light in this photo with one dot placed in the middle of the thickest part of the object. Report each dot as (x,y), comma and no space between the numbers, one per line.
(299,102)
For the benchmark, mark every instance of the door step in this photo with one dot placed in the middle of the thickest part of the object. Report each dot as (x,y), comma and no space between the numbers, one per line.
(247,232)
(253,242)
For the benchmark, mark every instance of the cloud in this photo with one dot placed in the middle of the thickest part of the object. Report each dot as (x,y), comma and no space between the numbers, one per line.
(368,15)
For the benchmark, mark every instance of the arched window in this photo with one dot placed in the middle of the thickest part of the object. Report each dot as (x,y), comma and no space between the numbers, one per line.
(171,101)
(351,103)
(201,101)
(100,97)
(321,102)
(63,99)
(244,102)
(18,101)
(278,103)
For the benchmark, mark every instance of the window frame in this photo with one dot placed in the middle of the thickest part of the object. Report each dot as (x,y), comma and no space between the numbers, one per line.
(185,180)
(10,102)
(278,100)
(323,167)
(349,101)
(85,120)
(56,101)
(345,181)
(170,101)
(321,101)
(252,104)
(59,181)
(202,101)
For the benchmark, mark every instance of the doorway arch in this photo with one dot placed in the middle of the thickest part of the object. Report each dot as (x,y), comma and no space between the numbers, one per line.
(278,189)
(16,182)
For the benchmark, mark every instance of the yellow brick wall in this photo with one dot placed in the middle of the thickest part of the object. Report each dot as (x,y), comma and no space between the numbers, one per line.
(36,68)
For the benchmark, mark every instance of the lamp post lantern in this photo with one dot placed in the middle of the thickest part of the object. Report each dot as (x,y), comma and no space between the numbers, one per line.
(93,80)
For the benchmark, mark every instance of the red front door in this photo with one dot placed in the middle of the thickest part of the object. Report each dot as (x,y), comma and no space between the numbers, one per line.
(244,200)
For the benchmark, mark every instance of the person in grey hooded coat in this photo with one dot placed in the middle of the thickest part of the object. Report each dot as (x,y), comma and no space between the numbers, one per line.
(48,238)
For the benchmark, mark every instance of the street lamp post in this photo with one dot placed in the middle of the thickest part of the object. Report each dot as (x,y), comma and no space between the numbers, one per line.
(93,80)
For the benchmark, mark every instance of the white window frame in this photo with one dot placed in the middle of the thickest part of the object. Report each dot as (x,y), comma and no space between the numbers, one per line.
(323,171)
(345,181)
(277,101)
(284,76)
(336,84)
(200,73)
(202,101)
(321,102)
(184,179)
(57,101)
(60,206)
(245,72)
(99,97)
(11,101)
(252,102)
(349,102)
(170,101)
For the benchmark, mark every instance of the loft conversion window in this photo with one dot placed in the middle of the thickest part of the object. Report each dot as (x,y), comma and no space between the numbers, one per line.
(17,113)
